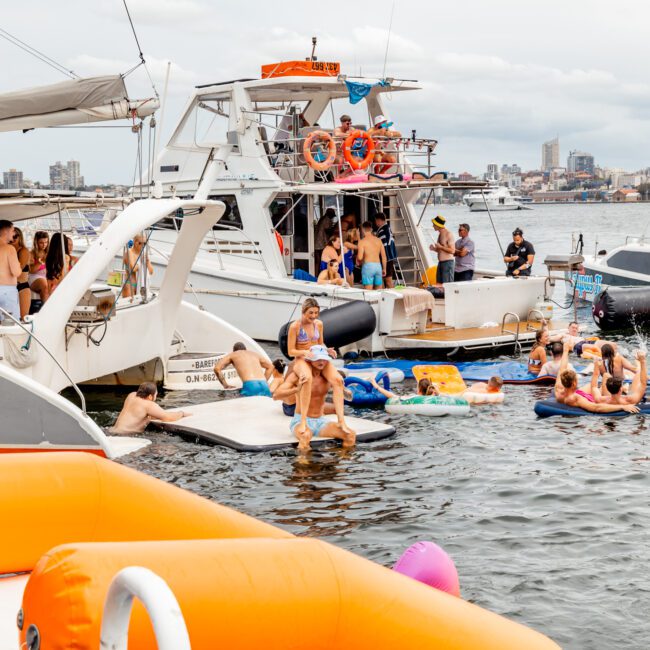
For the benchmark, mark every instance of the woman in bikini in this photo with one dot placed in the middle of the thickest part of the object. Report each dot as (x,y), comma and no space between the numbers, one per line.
(24,294)
(615,364)
(37,272)
(537,356)
(332,252)
(132,259)
(302,334)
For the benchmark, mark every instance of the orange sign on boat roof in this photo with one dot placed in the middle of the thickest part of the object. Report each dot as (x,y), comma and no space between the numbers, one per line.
(306,68)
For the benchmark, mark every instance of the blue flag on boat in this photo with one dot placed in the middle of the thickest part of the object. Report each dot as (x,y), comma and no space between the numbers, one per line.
(358,90)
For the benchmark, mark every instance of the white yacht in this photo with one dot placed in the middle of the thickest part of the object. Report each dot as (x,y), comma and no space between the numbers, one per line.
(256,264)
(627,265)
(495,199)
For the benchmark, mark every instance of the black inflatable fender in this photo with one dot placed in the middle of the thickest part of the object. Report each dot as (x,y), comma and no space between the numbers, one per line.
(342,325)
(621,307)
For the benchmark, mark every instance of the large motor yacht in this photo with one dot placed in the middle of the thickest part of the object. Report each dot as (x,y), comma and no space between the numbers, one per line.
(260,261)
(494,199)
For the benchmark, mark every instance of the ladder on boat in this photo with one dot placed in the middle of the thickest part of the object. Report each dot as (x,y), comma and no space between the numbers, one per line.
(408,267)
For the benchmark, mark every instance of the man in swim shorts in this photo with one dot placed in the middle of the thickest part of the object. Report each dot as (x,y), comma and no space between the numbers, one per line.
(254,369)
(567,392)
(317,424)
(140,408)
(372,257)
(9,272)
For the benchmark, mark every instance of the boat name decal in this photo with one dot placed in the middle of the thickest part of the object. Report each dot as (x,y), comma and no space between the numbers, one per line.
(587,284)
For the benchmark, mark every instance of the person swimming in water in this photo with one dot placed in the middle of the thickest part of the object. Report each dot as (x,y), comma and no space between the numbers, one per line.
(537,357)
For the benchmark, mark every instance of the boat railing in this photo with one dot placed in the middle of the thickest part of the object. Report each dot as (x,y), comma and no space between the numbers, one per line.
(31,335)
(532,312)
(244,248)
(286,153)
(505,330)
(158,599)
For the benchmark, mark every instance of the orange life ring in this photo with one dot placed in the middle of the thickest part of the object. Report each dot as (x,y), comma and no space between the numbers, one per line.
(322,165)
(354,161)
(278,238)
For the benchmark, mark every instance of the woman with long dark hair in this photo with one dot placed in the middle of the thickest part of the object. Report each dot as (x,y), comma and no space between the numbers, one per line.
(537,357)
(57,262)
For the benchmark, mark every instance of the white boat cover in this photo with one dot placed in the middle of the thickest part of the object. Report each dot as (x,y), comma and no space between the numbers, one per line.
(70,102)
(257,424)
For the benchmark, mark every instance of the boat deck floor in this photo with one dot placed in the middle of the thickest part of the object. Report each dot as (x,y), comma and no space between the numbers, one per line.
(438,332)
(257,424)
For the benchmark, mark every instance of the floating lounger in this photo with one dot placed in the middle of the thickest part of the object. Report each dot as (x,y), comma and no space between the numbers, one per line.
(549,407)
(256,424)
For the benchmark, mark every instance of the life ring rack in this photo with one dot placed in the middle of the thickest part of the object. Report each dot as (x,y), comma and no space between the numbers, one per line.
(319,165)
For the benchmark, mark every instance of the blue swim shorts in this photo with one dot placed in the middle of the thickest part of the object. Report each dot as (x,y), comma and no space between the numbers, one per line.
(315,424)
(288,409)
(255,387)
(371,274)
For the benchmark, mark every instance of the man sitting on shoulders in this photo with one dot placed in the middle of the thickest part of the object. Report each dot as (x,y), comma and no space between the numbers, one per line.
(140,408)
(317,424)
(254,369)
(567,391)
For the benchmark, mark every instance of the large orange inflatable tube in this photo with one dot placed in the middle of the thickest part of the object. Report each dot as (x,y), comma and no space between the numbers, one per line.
(323,165)
(261,593)
(78,497)
(354,161)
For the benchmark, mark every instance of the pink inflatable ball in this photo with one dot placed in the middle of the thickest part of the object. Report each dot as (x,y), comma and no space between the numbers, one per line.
(428,563)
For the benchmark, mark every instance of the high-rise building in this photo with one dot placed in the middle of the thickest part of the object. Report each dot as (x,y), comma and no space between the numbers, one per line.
(75,179)
(580,161)
(12,180)
(58,176)
(551,154)
(492,172)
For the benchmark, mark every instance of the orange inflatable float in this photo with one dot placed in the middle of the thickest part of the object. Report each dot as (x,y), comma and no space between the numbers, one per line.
(447,378)
(239,583)
(326,163)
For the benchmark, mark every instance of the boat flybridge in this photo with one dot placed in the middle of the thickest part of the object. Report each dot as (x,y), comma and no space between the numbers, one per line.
(280,168)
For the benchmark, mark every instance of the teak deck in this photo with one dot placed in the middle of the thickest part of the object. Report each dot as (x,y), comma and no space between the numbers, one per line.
(473,333)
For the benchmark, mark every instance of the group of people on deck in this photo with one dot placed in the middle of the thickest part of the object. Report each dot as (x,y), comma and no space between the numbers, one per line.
(23,271)
(367,254)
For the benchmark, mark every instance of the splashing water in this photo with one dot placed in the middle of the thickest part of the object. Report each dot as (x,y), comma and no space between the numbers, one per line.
(639,335)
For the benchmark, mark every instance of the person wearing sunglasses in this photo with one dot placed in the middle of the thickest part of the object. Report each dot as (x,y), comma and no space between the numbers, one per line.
(464,255)
(10,271)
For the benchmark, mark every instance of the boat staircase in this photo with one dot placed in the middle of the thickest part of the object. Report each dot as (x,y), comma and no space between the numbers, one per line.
(409,266)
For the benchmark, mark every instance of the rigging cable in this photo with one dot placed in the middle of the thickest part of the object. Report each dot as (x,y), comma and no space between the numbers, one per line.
(38,54)
(140,54)
(390,27)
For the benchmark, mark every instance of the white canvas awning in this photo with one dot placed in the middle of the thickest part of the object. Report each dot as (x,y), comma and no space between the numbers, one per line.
(78,101)
(20,207)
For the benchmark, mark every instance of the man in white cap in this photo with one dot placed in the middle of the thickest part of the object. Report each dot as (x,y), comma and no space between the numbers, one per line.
(384,151)
(317,424)
(445,248)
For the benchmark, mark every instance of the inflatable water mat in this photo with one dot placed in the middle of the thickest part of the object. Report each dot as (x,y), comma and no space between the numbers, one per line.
(446,377)
(546,408)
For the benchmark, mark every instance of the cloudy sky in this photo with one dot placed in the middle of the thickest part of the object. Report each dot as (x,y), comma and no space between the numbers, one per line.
(498,77)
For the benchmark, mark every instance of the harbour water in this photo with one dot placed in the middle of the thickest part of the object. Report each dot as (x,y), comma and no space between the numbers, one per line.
(546,520)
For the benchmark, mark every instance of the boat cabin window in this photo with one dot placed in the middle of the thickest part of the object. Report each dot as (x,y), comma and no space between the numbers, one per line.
(231,218)
(205,125)
(634,261)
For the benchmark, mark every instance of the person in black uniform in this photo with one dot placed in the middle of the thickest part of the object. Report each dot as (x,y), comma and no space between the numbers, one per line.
(519,255)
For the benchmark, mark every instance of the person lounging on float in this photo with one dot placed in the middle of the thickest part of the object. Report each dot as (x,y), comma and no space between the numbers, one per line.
(493,385)
(312,412)
(301,336)
(140,408)
(425,388)
(567,392)
(253,368)
(611,391)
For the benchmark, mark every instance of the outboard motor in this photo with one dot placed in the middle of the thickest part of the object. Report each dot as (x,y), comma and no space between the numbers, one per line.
(342,325)
(619,308)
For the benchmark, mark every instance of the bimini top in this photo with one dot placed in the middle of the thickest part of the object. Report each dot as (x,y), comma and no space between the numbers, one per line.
(303,88)
(77,101)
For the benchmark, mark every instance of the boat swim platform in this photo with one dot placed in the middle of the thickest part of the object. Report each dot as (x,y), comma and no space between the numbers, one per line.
(257,424)
(439,337)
